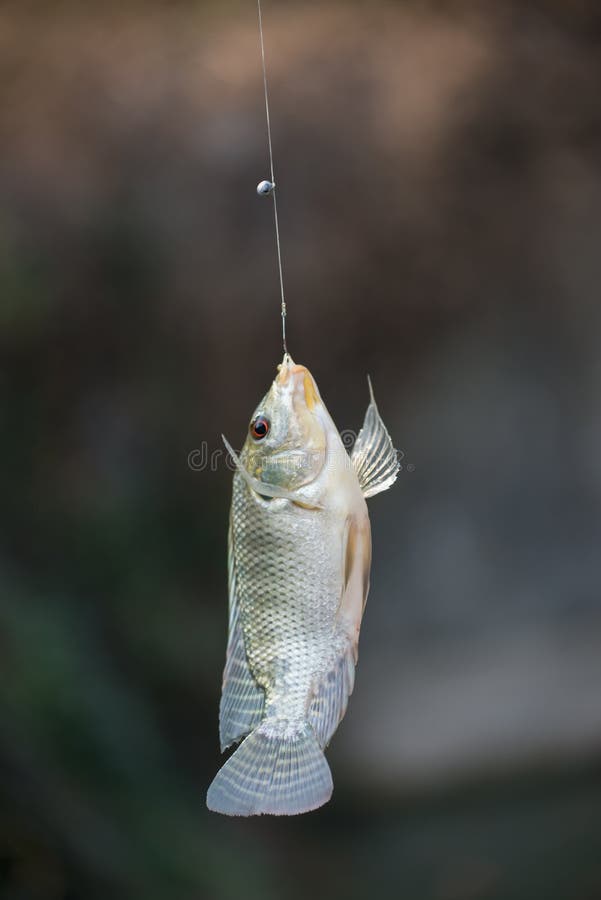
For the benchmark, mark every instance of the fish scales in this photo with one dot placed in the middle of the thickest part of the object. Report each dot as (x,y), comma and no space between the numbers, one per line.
(289,583)
(299,561)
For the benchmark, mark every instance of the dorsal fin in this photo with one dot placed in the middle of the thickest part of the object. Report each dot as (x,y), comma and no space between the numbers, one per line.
(242,700)
(374,457)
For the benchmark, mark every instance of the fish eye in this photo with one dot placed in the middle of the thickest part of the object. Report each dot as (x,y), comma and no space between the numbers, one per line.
(259,428)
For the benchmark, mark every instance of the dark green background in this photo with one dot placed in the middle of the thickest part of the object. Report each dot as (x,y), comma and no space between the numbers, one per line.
(439,168)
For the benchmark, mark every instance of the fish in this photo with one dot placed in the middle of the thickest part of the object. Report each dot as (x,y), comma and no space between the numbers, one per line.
(299,557)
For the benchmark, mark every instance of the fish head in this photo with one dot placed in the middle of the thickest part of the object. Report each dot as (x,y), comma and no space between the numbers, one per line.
(286,442)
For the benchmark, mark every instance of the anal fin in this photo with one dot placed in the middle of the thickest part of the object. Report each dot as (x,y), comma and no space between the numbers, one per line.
(331,699)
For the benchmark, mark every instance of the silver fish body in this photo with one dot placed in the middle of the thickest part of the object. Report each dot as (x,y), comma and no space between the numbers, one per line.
(289,581)
(299,554)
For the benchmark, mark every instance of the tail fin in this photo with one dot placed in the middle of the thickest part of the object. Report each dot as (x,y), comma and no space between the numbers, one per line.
(279,775)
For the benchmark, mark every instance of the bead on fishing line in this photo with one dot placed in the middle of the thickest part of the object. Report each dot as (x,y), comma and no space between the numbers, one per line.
(264,188)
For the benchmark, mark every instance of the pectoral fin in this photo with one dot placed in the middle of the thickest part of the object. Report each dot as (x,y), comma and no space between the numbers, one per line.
(374,457)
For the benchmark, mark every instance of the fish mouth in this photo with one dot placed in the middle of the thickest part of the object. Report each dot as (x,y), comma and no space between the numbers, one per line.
(299,381)
(286,368)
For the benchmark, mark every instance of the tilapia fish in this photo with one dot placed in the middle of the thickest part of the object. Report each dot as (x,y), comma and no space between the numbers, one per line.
(299,560)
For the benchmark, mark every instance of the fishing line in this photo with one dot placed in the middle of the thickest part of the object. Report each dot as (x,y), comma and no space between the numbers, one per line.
(270,187)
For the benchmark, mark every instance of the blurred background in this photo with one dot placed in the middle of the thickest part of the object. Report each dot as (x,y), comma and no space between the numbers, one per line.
(439,170)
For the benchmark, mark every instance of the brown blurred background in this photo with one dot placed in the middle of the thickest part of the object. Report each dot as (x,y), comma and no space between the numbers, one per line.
(439,171)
